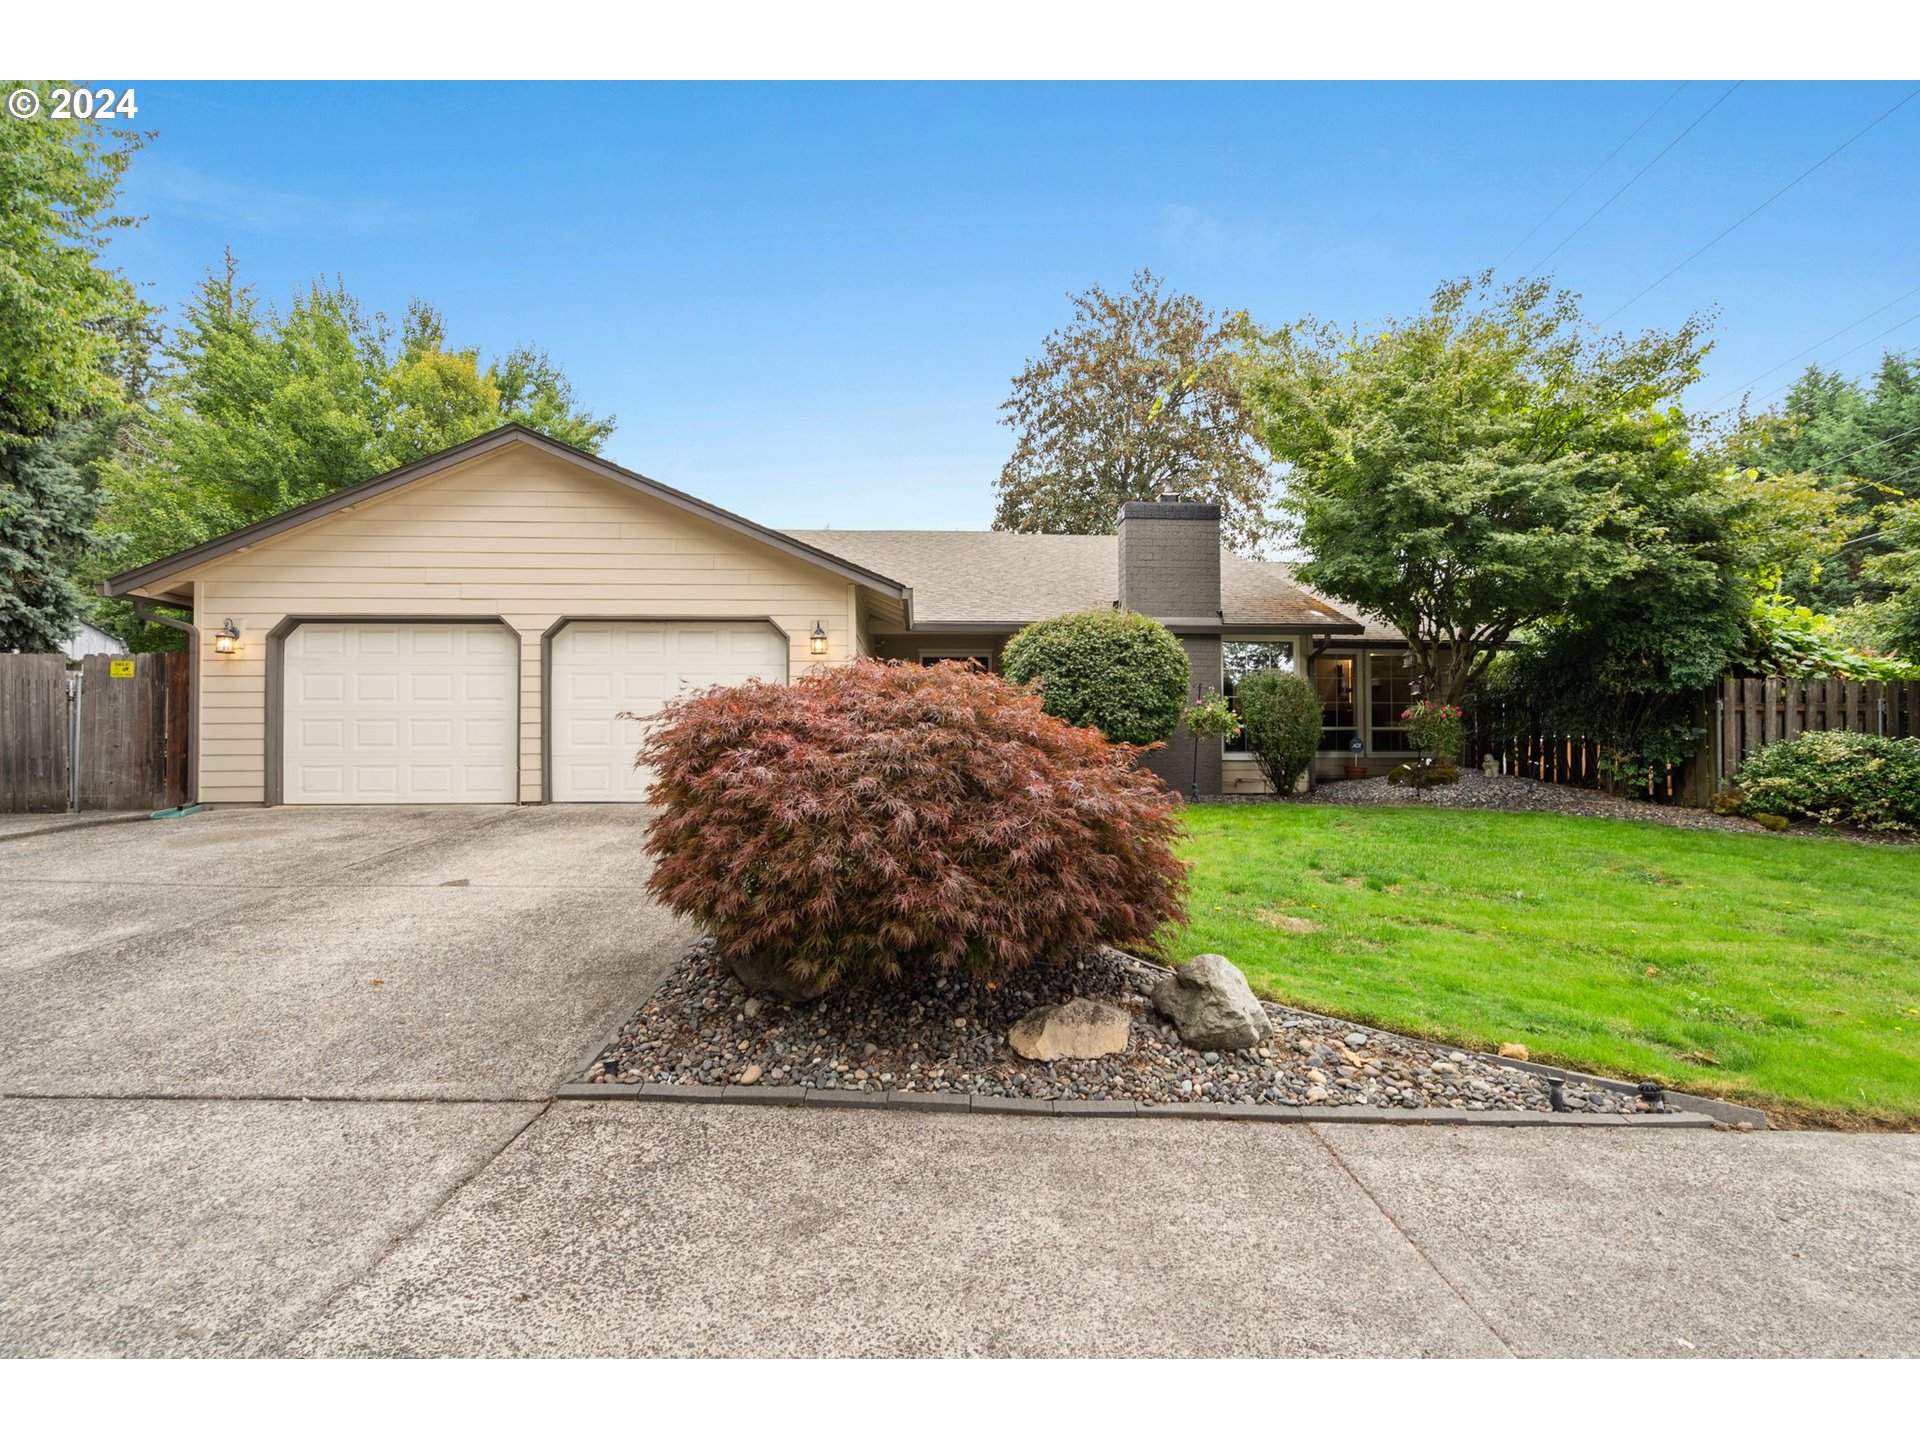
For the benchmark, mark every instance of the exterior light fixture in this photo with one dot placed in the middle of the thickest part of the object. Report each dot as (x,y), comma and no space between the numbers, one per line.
(226,640)
(817,641)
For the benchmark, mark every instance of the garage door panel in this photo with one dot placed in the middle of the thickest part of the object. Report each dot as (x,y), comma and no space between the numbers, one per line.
(602,668)
(395,713)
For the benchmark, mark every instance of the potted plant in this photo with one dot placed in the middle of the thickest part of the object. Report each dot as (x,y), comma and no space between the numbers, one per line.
(1436,730)
(1210,717)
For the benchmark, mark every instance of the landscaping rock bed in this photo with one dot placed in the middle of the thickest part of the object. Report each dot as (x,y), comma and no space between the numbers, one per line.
(701,1027)
(1478,791)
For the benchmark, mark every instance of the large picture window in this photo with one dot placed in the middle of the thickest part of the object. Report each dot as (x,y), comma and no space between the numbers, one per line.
(1333,680)
(1391,688)
(1241,658)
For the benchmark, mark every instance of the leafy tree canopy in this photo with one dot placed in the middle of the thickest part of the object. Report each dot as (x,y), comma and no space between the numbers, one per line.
(69,357)
(1483,465)
(1859,443)
(1136,396)
(255,411)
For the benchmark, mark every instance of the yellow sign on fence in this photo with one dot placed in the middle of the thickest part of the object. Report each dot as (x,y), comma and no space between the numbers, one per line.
(120,669)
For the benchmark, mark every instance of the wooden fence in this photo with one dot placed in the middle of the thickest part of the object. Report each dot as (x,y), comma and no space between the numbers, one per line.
(34,751)
(111,735)
(1757,712)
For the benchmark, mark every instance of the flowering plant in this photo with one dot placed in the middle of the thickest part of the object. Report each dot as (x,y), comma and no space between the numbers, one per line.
(1435,729)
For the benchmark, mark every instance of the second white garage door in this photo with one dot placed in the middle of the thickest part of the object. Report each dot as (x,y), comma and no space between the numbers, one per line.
(394,714)
(601,668)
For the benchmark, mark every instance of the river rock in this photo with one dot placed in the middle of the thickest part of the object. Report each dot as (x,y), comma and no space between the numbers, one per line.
(1212,1006)
(1077,1030)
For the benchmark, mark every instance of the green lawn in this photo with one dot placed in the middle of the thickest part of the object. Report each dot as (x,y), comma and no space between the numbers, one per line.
(1781,970)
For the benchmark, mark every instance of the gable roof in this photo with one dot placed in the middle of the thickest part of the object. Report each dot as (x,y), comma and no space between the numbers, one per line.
(512,434)
(997,579)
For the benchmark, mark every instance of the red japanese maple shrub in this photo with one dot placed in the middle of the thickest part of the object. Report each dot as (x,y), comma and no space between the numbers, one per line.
(879,818)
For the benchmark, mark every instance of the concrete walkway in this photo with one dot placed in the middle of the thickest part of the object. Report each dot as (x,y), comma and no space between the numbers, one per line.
(219,1137)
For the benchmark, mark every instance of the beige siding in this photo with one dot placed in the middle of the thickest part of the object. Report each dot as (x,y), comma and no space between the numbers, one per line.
(517,535)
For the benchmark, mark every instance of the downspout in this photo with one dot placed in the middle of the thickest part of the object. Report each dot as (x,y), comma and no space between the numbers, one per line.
(192,632)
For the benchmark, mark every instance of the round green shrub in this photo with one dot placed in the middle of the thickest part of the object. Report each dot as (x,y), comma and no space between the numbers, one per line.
(1123,674)
(1281,714)
(1837,777)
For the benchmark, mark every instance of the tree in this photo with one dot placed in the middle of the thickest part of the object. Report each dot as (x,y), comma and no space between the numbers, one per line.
(1896,620)
(64,316)
(45,508)
(1119,672)
(255,412)
(1137,396)
(1475,468)
(1858,443)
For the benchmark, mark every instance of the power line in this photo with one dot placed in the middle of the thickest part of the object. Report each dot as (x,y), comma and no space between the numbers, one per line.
(1827,466)
(1738,389)
(1764,204)
(1590,175)
(1780,390)
(1636,175)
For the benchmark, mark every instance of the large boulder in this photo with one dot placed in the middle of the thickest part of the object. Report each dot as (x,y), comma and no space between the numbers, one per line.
(767,977)
(1077,1030)
(1211,1005)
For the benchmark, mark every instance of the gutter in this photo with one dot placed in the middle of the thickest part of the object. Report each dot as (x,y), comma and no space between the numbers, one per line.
(192,632)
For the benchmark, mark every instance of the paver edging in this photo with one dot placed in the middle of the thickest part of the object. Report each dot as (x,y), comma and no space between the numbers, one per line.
(959,1103)
(1726,1111)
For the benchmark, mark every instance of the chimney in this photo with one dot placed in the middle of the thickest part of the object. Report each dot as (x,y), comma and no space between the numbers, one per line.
(1170,559)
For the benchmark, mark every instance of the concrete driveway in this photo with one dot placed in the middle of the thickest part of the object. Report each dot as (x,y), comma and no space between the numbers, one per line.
(214,1116)
(351,953)
(219,1136)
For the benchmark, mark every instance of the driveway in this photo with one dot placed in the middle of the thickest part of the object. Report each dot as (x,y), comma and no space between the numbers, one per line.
(308,953)
(218,1135)
(244,1051)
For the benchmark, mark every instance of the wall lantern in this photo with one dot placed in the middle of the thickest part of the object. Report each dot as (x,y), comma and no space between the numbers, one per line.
(817,641)
(226,640)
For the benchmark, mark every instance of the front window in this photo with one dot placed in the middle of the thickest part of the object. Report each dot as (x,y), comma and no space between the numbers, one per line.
(1333,680)
(1241,658)
(1391,688)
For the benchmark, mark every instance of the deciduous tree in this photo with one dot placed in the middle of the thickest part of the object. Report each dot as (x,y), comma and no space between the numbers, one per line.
(1136,396)
(1475,468)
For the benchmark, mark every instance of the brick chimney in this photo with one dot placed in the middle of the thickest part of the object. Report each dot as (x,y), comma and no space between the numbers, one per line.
(1170,569)
(1170,559)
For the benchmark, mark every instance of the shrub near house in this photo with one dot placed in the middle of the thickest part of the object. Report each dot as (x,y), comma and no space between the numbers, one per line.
(874,818)
(1122,673)
(1283,718)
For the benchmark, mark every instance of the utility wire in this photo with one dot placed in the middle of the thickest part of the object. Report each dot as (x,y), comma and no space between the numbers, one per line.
(1739,389)
(1590,175)
(1763,204)
(1780,390)
(1636,175)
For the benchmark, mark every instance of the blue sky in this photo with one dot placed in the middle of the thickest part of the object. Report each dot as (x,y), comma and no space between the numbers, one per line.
(804,302)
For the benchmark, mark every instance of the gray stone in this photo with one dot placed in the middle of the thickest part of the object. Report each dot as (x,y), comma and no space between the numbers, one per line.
(1078,1030)
(767,977)
(1212,1006)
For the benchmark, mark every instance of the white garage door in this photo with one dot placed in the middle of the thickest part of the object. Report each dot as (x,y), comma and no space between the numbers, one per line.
(601,668)
(391,714)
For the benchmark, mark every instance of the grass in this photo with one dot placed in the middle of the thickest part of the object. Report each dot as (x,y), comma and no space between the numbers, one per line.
(1779,970)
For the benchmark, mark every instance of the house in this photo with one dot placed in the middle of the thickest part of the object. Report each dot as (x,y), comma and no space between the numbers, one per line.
(89,639)
(469,628)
